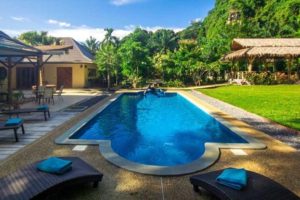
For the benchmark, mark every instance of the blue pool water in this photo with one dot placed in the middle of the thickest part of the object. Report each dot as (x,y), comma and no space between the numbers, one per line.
(152,130)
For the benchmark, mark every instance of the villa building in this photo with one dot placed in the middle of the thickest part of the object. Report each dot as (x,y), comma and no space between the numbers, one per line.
(74,69)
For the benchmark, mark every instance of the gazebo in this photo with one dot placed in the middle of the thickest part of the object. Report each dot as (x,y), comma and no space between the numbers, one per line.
(265,48)
(13,51)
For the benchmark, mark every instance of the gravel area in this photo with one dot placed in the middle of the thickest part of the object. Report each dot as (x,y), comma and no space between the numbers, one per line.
(279,132)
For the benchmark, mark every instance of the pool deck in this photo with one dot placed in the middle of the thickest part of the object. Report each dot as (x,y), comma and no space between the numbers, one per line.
(279,161)
(34,124)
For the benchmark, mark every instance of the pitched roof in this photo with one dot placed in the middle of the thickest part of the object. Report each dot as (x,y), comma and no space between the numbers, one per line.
(78,54)
(265,47)
(271,52)
(53,47)
(240,43)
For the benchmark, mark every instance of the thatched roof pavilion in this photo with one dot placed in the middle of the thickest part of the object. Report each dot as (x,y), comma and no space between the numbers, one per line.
(241,43)
(251,49)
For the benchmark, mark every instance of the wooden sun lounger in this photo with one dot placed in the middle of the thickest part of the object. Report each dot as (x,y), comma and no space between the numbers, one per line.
(258,187)
(26,110)
(15,128)
(29,183)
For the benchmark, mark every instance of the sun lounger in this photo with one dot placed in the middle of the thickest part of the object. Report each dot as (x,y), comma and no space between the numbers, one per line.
(17,112)
(258,187)
(15,127)
(30,183)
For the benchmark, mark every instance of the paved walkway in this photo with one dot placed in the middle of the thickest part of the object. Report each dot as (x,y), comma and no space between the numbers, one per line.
(279,132)
(36,127)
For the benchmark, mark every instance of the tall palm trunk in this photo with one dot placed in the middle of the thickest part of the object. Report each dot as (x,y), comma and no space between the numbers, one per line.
(108,79)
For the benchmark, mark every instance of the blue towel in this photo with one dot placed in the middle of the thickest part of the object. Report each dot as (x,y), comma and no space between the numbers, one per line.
(43,107)
(13,121)
(55,165)
(233,178)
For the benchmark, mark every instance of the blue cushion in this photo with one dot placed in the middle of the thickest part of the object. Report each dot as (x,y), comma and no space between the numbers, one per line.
(43,107)
(13,121)
(55,165)
(233,178)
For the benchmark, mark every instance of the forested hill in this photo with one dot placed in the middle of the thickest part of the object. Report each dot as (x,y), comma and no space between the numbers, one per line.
(253,18)
(243,19)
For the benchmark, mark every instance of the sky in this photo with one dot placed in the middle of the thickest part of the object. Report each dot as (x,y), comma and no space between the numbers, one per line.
(83,18)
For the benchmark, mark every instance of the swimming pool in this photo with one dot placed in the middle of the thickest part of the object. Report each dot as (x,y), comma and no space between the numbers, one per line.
(150,130)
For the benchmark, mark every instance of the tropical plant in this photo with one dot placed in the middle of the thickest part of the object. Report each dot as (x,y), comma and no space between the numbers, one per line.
(38,38)
(107,61)
(109,38)
(163,40)
(92,45)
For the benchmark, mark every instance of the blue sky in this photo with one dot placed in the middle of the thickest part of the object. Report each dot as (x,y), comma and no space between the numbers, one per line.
(82,18)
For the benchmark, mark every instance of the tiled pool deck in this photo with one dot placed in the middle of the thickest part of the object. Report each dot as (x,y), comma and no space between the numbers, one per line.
(35,126)
(279,162)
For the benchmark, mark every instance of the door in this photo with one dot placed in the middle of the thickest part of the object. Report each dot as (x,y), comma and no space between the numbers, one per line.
(64,77)
(25,77)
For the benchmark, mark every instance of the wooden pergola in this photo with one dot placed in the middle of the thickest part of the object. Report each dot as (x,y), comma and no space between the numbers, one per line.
(13,52)
(266,48)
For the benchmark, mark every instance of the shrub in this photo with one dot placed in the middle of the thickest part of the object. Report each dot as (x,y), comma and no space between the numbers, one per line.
(175,83)
(267,78)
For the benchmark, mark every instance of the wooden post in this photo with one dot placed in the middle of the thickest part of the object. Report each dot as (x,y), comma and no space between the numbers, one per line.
(250,64)
(289,65)
(298,68)
(9,76)
(274,70)
(38,70)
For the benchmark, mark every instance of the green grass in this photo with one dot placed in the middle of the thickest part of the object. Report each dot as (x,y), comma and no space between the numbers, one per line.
(279,103)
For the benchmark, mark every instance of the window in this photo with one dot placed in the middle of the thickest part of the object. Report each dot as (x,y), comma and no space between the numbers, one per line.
(92,73)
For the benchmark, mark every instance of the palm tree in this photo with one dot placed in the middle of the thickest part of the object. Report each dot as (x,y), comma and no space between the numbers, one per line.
(92,45)
(109,38)
(38,38)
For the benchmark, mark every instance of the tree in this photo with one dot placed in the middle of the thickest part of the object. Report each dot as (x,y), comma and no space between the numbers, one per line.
(92,45)
(107,61)
(35,38)
(134,61)
(109,38)
(162,41)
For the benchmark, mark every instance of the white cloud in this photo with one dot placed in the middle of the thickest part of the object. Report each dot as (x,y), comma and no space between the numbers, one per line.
(153,28)
(81,33)
(197,19)
(123,2)
(19,19)
(59,23)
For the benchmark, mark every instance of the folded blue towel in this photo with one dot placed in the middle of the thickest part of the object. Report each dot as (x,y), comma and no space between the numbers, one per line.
(43,107)
(13,121)
(55,165)
(233,178)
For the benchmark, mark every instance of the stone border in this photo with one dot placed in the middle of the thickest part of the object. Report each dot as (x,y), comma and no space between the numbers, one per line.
(65,137)
(210,156)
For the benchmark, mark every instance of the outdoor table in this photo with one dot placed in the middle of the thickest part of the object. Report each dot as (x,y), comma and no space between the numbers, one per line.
(51,86)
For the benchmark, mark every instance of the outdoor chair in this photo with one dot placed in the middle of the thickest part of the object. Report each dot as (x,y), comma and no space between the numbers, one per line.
(48,95)
(39,93)
(258,187)
(30,183)
(42,109)
(15,127)
(59,93)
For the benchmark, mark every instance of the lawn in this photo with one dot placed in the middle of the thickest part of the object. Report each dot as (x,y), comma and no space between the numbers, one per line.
(280,103)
